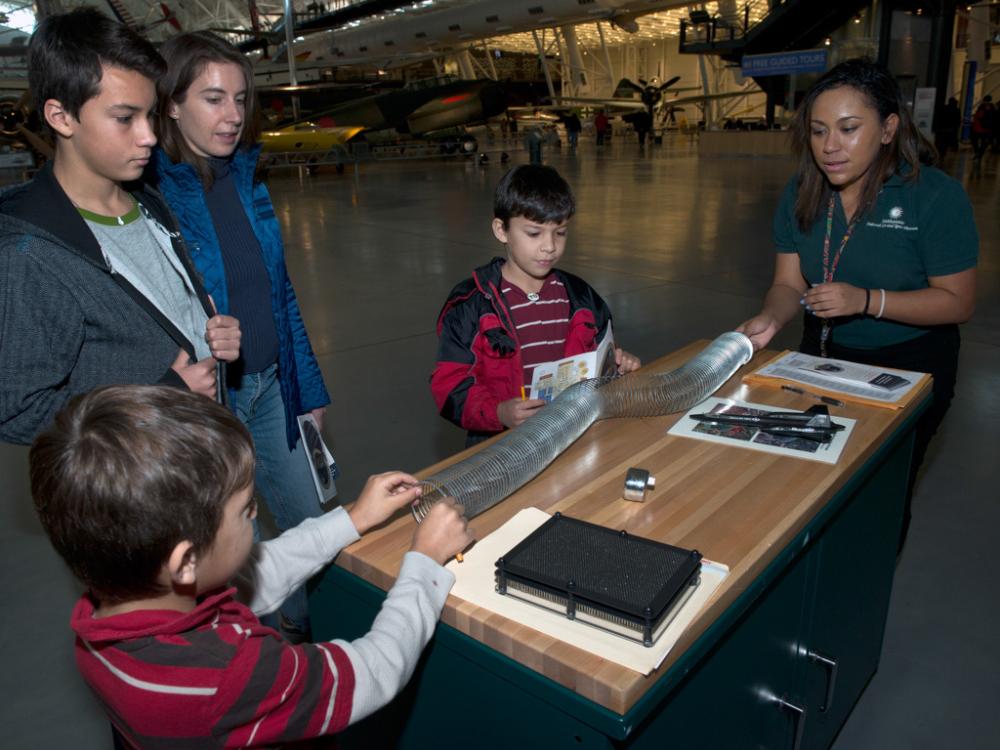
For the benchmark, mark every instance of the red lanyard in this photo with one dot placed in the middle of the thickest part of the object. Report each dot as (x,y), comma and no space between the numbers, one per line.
(828,269)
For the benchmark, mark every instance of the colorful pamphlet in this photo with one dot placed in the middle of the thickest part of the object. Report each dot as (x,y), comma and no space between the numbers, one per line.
(552,378)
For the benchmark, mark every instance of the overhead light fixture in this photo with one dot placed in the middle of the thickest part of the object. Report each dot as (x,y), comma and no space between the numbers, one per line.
(827,41)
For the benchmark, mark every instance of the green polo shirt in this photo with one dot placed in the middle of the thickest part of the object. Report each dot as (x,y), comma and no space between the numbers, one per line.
(917,229)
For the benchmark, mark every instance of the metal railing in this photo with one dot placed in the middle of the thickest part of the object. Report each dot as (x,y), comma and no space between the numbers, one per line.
(356,154)
(702,27)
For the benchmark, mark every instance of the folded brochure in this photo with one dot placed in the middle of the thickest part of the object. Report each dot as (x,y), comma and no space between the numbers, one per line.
(551,378)
(869,384)
(323,467)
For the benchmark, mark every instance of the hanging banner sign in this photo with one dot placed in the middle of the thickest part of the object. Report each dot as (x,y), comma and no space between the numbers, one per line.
(785,63)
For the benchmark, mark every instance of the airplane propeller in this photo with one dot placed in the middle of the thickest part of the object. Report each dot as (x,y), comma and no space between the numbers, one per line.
(649,92)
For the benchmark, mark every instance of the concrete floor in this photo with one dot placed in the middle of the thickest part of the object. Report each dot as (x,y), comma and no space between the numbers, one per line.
(680,248)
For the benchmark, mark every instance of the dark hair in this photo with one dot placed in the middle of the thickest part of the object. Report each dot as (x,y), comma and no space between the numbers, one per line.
(535,192)
(908,146)
(67,52)
(187,55)
(126,473)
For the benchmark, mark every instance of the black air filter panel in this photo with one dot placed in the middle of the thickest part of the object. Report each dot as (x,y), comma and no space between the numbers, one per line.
(609,579)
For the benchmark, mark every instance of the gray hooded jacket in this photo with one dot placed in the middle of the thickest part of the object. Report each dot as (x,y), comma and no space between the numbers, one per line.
(67,324)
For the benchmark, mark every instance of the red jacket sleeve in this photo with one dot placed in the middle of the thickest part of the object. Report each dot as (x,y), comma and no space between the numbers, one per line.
(461,390)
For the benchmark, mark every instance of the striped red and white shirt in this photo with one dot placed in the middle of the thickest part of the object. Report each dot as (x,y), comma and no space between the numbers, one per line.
(215,677)
(541,325)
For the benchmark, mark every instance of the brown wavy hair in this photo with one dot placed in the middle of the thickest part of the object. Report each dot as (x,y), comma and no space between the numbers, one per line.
(908,149)
(186,56)
(127,472)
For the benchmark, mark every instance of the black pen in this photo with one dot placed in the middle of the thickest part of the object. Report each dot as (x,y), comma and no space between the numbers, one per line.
(818,397)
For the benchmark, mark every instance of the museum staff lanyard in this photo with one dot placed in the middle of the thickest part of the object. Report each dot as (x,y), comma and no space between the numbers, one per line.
(829,269)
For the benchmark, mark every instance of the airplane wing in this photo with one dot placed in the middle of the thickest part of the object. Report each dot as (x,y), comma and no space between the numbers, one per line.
(305,137)
(710,97)
(634,104)
(564,102)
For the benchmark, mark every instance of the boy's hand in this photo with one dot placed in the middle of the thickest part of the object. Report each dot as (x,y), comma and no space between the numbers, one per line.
(222,332)
(511,413)
(626,362)
(444,532)
(197,376)
(382,496)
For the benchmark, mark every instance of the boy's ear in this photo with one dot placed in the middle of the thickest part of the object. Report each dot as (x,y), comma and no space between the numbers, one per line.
(182,565)
(58,118)
(499,230)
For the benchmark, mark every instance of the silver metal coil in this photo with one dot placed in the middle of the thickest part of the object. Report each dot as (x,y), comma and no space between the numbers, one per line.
(500,469)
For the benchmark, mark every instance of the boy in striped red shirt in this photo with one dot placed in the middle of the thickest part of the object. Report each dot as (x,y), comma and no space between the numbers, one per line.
(516,312)
(147,494)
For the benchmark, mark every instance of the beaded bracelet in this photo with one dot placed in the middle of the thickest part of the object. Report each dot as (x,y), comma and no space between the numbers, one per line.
(881,307)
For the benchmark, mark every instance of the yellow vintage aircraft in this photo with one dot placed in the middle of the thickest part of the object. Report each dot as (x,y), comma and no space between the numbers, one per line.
(307,137)
(307,144)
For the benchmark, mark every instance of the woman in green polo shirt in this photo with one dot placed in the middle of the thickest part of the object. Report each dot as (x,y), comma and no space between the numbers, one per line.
(879,247)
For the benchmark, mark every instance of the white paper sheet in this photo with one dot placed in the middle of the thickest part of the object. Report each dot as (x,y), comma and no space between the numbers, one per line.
(849,378)
(748,437)
(475,583)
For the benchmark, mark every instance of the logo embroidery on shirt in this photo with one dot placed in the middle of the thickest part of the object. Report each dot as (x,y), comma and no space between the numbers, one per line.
(893,221)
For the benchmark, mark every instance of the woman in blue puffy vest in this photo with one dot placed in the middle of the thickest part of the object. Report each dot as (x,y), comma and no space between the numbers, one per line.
(205,167)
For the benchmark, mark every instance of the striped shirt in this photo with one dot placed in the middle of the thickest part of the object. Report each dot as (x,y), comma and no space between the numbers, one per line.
(215,677)
(541,325)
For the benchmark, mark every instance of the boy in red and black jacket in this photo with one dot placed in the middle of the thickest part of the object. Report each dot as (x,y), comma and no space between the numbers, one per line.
(516,312)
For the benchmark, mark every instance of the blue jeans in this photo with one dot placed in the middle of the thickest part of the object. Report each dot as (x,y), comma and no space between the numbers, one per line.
(283,478)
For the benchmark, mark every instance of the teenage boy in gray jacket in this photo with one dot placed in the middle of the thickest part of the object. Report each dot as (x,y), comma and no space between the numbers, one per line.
(96,287)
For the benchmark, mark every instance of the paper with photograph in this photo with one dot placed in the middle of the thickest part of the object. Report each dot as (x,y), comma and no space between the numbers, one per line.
(324,468)
(746,436)
(864,382)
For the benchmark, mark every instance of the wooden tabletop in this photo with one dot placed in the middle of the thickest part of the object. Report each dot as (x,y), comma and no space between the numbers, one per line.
(736,506)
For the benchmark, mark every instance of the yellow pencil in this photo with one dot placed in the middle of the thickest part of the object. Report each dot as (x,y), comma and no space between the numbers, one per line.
(524,396)
(459,557)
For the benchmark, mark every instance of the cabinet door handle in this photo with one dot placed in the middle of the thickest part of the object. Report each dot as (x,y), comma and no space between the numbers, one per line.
(799,714)
(831,676)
